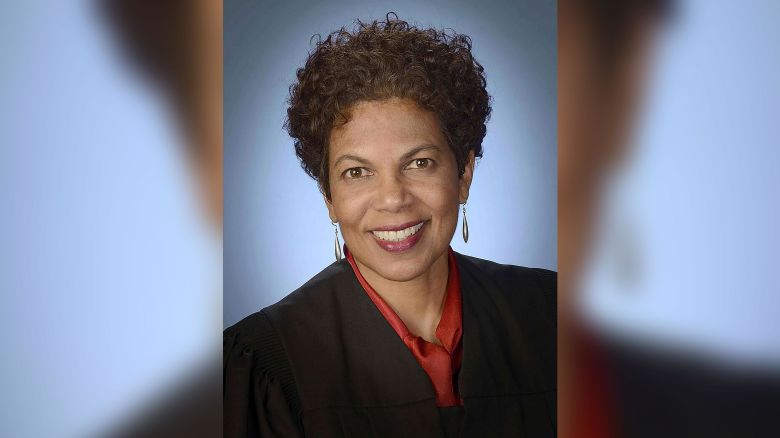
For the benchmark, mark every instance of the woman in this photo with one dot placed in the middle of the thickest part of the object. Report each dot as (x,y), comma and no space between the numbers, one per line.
(402,336)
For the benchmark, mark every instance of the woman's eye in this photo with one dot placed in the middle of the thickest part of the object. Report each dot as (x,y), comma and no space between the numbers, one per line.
(420,163)
(355,172)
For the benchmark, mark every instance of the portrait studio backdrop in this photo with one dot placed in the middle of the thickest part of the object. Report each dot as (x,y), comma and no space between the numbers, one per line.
(277,231)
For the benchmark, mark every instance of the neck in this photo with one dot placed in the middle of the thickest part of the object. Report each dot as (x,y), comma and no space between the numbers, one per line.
(418,302)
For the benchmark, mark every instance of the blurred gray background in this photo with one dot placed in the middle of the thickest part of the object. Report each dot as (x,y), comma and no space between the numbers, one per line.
(277,232)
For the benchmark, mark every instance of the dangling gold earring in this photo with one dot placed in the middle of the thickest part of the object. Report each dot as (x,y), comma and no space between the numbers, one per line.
(338,244)
(465,226)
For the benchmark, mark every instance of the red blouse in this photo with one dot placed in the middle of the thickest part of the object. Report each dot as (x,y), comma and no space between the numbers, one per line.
(440,362)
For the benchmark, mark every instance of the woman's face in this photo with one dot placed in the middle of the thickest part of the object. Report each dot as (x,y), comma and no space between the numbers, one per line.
(395,188)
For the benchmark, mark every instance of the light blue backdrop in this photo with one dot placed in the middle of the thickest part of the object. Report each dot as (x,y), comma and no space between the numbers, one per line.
(696,213)
(277,232)
(109,278)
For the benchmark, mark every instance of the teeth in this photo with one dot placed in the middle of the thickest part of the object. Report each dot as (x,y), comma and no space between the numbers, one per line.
(397,236)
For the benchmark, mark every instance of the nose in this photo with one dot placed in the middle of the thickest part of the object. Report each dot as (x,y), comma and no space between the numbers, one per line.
(392,194)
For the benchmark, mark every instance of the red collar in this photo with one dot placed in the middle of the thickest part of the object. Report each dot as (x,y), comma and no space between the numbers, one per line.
(441,363)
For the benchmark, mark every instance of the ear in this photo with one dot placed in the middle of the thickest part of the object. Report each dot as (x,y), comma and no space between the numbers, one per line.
(464,183)
(329,205)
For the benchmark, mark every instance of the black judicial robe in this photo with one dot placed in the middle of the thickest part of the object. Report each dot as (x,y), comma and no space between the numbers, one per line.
(324,362)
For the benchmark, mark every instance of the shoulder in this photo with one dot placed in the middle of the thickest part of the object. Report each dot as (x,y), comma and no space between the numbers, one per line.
(252,344)
(249,332)
(545,279)
(255,366)
(517,283)
(302,304)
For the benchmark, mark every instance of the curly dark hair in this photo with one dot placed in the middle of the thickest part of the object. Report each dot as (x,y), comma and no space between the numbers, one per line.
(381,60)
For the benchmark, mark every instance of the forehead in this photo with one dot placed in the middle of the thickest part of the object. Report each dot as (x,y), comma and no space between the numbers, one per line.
(383,127)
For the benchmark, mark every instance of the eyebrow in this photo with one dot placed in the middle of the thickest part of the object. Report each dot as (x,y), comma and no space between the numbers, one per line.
(418,149)
(350,157)
(405,156)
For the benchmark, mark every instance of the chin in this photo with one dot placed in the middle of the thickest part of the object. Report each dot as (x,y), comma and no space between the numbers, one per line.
(405,268)
(404,271)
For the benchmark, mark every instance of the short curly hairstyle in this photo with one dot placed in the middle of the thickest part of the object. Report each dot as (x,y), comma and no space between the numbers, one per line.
(380,60)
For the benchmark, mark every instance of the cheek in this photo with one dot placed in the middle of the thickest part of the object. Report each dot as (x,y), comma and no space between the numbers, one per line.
(349,207)
(441,199)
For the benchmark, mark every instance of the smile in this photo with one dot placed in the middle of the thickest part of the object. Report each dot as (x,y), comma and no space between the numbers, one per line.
(400,238)
(397,236)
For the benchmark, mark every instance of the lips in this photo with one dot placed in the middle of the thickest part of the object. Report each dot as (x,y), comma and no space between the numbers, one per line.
(397,234)
(398,238)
